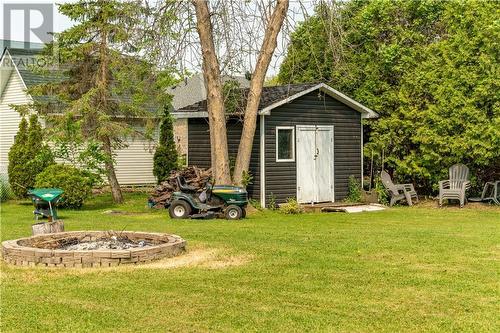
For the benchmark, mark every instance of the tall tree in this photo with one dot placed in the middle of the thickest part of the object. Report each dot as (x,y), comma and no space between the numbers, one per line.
(429,68)
(105,84)
(215,99)
(28,157)
(166,157)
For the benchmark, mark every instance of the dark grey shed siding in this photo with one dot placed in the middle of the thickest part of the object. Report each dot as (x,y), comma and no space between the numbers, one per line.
(315,108)
(199,148)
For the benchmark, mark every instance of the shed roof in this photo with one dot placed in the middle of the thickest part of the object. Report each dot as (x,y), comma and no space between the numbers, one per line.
(192,90)
(275,96)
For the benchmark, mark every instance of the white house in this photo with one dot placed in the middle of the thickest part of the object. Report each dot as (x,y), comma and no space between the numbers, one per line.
(134,164)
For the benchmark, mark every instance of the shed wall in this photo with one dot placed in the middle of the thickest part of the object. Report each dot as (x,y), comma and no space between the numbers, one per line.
(315,108)
(199,148)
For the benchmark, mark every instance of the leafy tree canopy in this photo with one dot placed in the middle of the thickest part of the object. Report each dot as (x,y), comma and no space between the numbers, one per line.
(105,86)
(429,68)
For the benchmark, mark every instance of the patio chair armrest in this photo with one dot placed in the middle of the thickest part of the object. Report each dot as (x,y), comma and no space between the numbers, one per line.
(444,184)
(466,185)
(408,187)
(400,188)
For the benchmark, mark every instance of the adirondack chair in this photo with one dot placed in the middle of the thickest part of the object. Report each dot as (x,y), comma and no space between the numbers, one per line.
(398,191)
(491,193)
(455,187)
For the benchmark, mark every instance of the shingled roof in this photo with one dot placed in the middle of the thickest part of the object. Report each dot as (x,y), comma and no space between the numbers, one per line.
(275,96)
(23,59)
(270,95)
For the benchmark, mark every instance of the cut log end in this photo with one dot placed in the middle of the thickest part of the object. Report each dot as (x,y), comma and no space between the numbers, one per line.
(47,227)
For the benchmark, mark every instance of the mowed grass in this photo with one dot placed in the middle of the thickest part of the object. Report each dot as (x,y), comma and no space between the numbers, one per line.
(400,270)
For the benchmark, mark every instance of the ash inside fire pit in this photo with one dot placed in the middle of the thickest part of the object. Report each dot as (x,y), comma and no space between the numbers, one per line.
(113,243)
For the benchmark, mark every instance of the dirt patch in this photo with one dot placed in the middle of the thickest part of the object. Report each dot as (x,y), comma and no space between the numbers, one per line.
(122,212)
(206,258)
(453,205)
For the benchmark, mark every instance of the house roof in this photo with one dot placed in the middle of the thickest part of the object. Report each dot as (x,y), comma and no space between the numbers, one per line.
(192,90)
(23,59)
(275,96)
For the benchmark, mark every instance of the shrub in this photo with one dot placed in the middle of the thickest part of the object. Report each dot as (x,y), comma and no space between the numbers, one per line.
(28,156)
(165,158)
(255,204)
(76,185)
(272,202)
(383,196)
(291,207)
(5,191)
(354,190)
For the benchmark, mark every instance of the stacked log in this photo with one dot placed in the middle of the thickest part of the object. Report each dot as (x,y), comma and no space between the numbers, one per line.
(194,176)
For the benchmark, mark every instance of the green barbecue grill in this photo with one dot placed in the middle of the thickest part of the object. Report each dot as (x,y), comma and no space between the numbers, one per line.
(45,201)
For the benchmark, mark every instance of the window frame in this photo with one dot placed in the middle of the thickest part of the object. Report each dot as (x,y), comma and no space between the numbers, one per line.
(278,128)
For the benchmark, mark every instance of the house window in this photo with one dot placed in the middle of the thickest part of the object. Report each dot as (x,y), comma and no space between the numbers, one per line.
(285,144)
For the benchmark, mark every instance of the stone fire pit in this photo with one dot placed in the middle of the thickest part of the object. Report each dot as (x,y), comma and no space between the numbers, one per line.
(91,248)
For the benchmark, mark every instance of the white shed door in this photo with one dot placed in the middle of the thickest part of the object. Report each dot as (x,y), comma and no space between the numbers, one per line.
(315,182)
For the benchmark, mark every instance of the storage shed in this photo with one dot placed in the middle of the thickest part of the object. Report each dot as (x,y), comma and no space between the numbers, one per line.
(308,142)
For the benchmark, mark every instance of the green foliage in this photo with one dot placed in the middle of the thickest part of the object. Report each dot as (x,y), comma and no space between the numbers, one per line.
(255,203)
(182,161)
(246,178)
(271,202)
(383,196)
(18,159)
(5,191)
(69,145)
(76,184)
(430,68)
(291,206)
(28,156)
(233,101)
(354,190)
(104,80)
(166,157)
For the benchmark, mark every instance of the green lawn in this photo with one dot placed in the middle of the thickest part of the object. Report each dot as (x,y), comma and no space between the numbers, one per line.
(404,269)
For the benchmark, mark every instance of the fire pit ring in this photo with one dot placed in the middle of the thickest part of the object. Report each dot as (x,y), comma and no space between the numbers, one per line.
(131,247)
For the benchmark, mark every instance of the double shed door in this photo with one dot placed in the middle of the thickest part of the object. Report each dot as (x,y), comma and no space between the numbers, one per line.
(315,164)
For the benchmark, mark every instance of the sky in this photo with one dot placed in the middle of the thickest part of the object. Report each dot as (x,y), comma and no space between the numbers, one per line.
(20,29)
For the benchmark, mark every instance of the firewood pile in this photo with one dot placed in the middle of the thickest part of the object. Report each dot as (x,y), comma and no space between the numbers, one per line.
(194,176)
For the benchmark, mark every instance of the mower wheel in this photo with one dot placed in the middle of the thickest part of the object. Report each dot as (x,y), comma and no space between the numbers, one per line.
(233,212)
(179,209)
(243,213)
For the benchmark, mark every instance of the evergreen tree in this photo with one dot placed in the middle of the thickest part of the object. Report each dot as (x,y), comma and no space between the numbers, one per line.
(29,156)
(17,161)
(105,82)
(166,156)
(37,150)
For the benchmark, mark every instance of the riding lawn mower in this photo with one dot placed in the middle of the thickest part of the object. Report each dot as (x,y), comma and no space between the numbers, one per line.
(214,201)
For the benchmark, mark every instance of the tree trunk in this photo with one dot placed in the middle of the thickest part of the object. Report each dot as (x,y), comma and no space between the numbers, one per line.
(47,227)
(258,77)
(215,99)
(110,171)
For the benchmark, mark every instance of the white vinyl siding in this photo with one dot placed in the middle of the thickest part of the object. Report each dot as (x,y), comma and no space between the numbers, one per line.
(134,164)
(9,119)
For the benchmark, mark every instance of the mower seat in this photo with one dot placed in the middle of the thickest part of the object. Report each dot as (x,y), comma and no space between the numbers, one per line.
(184,187)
